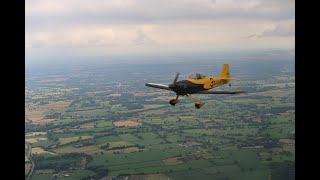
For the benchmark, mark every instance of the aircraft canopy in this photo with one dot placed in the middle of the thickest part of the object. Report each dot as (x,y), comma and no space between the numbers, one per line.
(196,76)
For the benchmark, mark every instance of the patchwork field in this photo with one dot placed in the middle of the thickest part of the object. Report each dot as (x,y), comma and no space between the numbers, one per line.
(89,126)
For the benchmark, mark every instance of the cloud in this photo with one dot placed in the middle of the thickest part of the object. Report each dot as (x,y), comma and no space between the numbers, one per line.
(284,28)
(45,12)
(118,26)
(142,38)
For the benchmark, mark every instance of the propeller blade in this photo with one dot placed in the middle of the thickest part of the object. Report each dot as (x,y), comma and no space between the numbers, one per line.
(175,79)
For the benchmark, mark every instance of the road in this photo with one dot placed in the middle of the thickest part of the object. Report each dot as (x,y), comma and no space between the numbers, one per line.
(31,161)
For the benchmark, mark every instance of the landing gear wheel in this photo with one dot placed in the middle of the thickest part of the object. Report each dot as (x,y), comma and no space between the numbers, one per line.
(198,104)
(173,102)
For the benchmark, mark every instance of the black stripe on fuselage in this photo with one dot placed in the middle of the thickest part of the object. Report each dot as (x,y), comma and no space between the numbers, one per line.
(186,87)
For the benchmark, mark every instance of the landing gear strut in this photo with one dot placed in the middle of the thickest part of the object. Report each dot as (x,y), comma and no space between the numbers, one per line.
(196,104)
(174,101)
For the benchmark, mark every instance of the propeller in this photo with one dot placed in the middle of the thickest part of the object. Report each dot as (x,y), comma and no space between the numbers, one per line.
(174,82)
(175,79)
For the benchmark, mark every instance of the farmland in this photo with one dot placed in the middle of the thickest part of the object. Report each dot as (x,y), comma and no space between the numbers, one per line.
(88,125)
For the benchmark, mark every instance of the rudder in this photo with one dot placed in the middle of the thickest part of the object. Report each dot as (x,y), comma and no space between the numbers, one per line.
(225,74)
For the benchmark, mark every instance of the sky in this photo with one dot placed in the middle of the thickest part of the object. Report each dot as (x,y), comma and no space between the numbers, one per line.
(89,28)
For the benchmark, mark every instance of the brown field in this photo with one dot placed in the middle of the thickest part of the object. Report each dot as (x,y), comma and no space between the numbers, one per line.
(57,106)
(27,167)
(172,161)
(33,140)
(38,150)
(126,123)
(37,115)
(86,149)
(87,126)
(114,95)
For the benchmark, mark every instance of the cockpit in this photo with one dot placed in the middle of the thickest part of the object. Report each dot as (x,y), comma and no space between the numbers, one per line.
(196,76)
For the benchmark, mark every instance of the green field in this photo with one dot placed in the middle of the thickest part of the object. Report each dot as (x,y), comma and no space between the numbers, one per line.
(243,137)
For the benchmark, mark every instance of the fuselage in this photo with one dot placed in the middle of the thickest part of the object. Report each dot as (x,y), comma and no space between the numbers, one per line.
(191,85)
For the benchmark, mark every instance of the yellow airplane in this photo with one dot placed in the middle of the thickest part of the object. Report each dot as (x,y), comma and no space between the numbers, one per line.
(197,83)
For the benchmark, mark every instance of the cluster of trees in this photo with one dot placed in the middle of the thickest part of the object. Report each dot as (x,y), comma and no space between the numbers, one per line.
(53,116)
(60,162)
(265,142)
(106,147)
(85,143)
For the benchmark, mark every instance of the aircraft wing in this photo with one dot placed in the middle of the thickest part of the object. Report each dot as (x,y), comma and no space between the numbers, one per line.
(220,92)
(159,86)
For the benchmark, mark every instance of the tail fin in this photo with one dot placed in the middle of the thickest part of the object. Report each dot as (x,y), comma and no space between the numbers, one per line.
(225,74)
